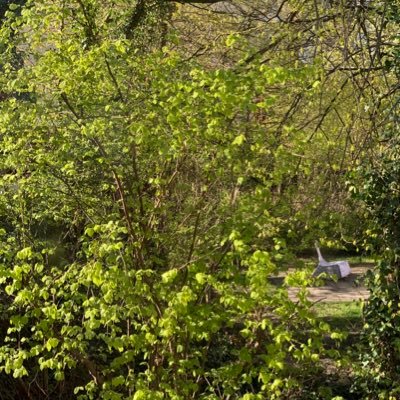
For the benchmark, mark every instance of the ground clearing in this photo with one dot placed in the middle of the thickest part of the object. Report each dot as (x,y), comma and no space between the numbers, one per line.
(346,289)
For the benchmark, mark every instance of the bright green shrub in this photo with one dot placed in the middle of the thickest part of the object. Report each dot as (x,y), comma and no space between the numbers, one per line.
(136,247)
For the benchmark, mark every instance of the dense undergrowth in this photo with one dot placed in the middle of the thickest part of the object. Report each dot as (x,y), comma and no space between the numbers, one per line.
(152,184)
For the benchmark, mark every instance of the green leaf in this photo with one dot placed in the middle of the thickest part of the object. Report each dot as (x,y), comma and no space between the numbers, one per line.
(52,343)
(169,276)
(89,232)
(25,254)
(239,140)
(13,6)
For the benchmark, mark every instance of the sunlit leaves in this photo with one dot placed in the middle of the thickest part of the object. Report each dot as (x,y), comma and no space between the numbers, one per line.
(139,221)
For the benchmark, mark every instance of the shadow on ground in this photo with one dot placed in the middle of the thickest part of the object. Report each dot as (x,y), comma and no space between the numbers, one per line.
(345,289)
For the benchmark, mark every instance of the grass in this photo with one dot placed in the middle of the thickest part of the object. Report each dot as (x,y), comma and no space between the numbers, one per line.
(346,315)
(353,260)
(342,309)
(361,260)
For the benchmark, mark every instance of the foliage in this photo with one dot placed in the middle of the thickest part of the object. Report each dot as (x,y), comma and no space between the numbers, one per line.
(159,165)
(327,129)
(137,237)
(379,375)
(379,175)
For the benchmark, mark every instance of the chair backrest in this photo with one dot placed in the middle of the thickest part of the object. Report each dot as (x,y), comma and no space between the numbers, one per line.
(320,258)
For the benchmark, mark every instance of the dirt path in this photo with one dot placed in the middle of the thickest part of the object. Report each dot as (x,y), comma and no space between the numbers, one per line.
(347,289)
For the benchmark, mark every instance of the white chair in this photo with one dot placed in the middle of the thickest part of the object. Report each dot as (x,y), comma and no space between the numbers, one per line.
(341,268)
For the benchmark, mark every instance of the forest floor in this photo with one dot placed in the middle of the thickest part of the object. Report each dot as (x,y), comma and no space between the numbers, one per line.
(346,289)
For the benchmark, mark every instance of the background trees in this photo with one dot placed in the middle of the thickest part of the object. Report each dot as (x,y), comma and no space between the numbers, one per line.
(334,123)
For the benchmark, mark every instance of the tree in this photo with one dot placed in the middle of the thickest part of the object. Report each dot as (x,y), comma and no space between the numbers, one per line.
(349,44)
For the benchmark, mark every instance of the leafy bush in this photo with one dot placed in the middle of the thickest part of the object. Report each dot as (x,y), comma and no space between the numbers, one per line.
(137,237)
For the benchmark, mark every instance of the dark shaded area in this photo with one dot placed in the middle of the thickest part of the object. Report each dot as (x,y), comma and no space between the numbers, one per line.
(4,5)
(331,253)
